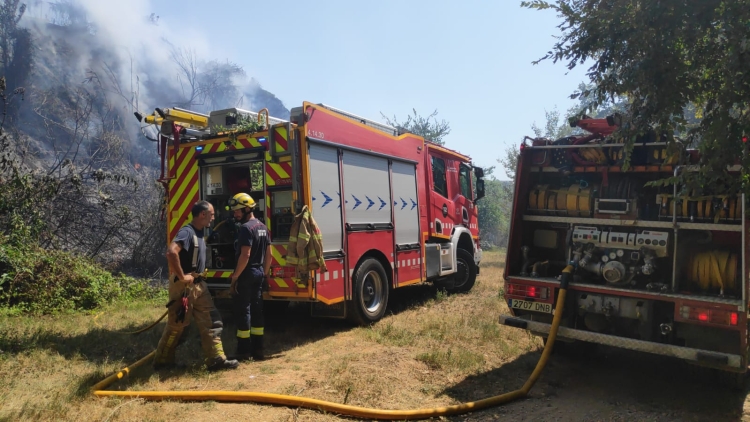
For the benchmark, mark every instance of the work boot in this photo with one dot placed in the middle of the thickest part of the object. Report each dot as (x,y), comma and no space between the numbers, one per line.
(256,347)
(220,363)
(243,350)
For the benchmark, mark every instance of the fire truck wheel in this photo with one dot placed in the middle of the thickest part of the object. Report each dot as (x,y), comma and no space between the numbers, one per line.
(370,296)
(466,272)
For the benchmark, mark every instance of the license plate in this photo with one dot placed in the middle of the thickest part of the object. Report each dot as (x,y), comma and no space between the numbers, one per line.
(530,306)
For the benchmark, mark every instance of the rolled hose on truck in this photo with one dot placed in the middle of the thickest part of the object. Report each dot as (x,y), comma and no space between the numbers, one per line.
(342,409)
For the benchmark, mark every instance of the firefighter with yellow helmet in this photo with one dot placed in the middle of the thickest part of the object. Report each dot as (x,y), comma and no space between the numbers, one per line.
(253,258)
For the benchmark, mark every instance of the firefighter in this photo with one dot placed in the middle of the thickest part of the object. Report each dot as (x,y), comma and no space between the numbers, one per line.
(253,257)
(189,296)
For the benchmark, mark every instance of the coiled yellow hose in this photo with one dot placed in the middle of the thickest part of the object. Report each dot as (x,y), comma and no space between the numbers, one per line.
(575,200)
(713,270)
(355,411)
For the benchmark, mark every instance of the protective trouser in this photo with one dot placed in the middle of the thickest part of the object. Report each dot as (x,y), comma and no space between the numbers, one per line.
(248,312)
(207,318)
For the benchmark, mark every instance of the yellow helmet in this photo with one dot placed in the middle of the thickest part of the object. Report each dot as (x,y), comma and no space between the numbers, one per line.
(240,201)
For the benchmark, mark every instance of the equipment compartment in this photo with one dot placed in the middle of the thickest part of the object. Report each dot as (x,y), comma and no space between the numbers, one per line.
(219,183)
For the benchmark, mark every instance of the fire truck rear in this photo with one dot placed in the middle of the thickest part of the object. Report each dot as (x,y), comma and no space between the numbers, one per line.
(657,269)
(394,209)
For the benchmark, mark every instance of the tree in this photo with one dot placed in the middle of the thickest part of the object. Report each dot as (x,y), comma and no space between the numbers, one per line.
(496,211)
(494,214)
(553,129)
(667,56)
(15,51)
(426,127)
(207,86)
(588,106)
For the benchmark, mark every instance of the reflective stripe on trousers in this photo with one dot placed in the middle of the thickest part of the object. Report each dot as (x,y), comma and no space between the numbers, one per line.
(248,304)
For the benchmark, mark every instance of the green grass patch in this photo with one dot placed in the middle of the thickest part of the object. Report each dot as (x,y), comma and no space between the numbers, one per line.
(40,281)
(387,333)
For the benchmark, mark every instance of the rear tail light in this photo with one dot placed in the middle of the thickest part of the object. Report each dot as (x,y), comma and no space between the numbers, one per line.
(524,291)
(711,316)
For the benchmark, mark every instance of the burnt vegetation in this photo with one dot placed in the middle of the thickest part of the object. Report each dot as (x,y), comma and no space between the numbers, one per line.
(77,173)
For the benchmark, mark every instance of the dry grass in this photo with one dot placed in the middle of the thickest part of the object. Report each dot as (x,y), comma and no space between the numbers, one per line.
(433,349)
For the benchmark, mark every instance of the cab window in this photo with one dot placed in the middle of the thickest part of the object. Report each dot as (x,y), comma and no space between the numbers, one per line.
(464,177)
(439,183)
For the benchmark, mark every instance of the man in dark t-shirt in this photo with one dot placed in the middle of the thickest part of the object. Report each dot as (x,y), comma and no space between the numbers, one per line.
(253,256)
(186,255)
(184,240)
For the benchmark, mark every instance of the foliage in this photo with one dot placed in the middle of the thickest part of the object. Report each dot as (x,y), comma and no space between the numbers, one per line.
(206,86)
(75,175)
(68,206)
(588,106)
(494,214)
(42,281)
(493,209)
(15,52)
(87,198)
(246,125)
(666,57)
(554,128)
(427,127)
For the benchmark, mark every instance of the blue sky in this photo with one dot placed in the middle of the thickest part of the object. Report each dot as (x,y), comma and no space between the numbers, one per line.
(471,62)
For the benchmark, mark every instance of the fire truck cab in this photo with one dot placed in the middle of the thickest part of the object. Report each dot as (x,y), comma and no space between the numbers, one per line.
(394,209)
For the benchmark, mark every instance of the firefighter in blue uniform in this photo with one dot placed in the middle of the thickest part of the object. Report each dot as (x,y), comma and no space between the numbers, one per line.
(253,257)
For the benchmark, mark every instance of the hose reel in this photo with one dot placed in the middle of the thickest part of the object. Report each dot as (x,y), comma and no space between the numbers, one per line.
(572,201)
(713,270)
(707,207)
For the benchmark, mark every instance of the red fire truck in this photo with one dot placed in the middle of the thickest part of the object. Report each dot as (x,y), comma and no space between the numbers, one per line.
(657,269)
(394,209)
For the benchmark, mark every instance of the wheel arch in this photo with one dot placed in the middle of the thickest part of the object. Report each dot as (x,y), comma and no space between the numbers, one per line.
(465,241)
(380,256)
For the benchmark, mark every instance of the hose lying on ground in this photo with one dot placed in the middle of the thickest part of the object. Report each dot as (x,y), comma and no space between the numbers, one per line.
(146,328)
(362,412)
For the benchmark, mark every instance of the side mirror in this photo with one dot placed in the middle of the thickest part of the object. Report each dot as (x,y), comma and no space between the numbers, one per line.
(480,190)
(479,172)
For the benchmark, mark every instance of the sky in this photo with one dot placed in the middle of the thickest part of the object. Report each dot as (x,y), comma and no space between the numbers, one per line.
(471,62)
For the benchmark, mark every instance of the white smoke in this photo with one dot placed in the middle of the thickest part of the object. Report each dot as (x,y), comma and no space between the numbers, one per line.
(134,49)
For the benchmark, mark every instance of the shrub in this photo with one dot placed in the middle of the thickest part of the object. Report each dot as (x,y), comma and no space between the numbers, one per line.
(43,281)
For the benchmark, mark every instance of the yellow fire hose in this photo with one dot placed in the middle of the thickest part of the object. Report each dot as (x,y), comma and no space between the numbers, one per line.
(153,324)
(342,409)
(713,270)
(146,328)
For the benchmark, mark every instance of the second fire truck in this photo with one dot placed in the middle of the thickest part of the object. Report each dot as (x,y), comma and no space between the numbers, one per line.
(659,267)
(393,208)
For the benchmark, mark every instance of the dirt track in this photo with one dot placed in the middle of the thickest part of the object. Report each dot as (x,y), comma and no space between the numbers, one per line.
(612,385)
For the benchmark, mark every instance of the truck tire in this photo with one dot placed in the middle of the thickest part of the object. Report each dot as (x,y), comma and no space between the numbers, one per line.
(370,296)
(466,272)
